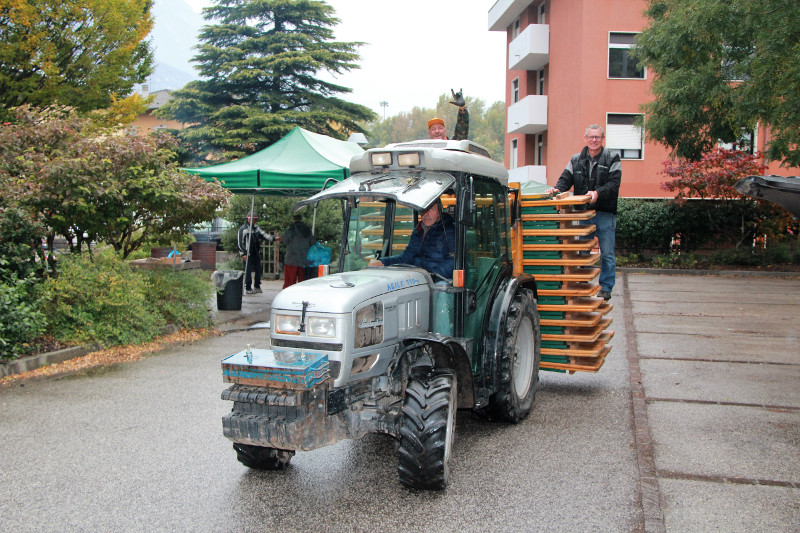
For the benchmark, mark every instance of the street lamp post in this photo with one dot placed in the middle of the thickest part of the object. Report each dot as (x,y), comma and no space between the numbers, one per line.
(384,105)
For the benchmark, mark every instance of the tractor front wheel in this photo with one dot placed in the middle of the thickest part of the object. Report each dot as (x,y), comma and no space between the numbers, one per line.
(427,429)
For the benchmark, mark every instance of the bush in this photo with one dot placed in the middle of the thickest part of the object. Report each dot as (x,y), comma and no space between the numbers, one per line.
(181,297)
(644,225)
(648,226)
(756,257)
(21,320)
(101,300)
(20,239)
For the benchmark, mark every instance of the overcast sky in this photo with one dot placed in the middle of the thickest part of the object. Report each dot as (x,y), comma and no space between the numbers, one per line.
(417,50)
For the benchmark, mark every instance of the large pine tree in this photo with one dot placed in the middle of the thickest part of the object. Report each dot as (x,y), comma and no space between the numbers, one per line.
(259,62)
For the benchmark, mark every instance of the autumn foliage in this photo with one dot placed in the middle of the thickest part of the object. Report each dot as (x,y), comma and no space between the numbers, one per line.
(93,184)
(712,179)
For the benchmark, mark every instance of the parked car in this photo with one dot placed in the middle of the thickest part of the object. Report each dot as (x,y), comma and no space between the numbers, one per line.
(211,231)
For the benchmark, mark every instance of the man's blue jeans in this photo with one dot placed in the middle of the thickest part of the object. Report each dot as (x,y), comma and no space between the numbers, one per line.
(605,230)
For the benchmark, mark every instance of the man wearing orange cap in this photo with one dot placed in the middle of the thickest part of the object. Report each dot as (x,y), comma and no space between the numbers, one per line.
(436,127)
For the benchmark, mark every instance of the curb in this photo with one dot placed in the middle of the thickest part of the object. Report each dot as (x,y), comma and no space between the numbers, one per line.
(32,362)
(690,272)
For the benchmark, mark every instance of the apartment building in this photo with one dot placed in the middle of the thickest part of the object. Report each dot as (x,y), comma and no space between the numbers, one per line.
(568,67)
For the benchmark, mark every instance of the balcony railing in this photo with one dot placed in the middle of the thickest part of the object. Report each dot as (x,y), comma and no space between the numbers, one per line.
(535,173)
(528,116)
(504,12)
(531,49)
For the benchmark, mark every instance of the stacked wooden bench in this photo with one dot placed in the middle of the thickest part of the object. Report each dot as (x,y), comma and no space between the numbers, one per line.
(556,248)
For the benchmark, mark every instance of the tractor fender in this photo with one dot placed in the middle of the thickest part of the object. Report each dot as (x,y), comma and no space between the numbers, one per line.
(448,352)
(494,338)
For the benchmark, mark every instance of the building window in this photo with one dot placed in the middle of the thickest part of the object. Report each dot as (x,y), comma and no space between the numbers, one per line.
(745,143)
(515,29)
(514,153)
(620,64)
(539,149)
(542,10)
(515,91)
(541,81)
(623,136)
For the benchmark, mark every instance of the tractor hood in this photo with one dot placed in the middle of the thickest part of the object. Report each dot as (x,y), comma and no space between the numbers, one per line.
(341,293)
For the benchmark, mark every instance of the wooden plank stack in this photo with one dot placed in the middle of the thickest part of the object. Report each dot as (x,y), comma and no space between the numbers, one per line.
(554,245)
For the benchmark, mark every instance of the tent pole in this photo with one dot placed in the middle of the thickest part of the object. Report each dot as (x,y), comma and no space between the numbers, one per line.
(247,244)
(314,220)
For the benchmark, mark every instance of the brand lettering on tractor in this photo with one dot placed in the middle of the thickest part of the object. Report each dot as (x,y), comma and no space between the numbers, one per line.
(378,322)
(410,282)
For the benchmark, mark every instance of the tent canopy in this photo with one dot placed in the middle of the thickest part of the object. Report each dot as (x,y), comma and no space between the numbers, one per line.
(296,165)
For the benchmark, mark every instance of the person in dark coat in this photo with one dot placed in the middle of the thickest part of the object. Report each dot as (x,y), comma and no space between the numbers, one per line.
(597,172)
(432,244)
(249,241)
(298,239)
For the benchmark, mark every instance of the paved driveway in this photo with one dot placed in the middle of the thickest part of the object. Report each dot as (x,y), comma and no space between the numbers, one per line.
(693,424)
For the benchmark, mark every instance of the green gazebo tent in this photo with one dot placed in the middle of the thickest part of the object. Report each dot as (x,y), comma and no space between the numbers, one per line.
(296,165)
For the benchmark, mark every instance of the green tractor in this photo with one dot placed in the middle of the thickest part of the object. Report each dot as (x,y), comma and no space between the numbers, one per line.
(396,349)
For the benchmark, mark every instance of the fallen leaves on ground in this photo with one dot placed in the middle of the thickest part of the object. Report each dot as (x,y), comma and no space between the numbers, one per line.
(110,356)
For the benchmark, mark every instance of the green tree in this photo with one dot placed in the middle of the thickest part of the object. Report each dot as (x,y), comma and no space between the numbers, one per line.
(721,67)
(260,63)
(76,52)
(93,184)
(275,215)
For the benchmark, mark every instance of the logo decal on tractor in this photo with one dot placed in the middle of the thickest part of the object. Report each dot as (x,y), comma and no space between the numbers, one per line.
(410,282)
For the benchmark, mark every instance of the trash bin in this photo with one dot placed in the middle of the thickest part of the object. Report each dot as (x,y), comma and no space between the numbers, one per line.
(229,289)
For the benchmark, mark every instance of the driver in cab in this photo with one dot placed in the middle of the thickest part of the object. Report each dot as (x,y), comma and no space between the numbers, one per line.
(432,244)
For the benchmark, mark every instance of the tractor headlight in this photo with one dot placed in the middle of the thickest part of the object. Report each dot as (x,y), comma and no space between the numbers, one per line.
(321,327)
(408,160)
(381,159)
(287,324)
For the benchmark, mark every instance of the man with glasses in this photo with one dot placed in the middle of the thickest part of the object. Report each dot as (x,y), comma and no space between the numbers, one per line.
(596,172)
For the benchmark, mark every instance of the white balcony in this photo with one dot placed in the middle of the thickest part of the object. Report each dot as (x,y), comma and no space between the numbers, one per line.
(531,49)
(530,173)
(503,13)
(528,116)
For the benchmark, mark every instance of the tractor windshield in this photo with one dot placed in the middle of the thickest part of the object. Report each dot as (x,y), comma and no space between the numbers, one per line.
(417,189)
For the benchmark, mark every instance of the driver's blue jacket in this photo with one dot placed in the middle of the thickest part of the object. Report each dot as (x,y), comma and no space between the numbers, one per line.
(433,250)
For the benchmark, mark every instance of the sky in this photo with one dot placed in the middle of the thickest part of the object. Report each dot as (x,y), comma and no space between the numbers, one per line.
(417,50)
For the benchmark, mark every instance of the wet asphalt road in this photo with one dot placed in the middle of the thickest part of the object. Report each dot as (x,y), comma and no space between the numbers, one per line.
(139,447)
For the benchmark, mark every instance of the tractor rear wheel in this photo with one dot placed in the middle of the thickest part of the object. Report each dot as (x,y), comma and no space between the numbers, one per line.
(427,429)
(518,363)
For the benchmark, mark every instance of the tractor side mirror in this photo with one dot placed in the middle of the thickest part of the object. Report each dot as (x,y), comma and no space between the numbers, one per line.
(516,205)
(466,205)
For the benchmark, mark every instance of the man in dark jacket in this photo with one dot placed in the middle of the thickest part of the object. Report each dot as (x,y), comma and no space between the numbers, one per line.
(432,244)
(596,172)
(249,241)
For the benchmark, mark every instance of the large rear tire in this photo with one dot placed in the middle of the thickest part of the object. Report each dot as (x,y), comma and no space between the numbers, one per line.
(518,364)
(262,458)
(428,429)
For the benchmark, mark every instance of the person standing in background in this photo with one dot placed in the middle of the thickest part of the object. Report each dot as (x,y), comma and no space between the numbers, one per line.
(249,240)
(298,240)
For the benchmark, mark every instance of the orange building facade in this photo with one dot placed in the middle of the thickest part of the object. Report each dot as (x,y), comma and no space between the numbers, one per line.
(147,122)
(567,67)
